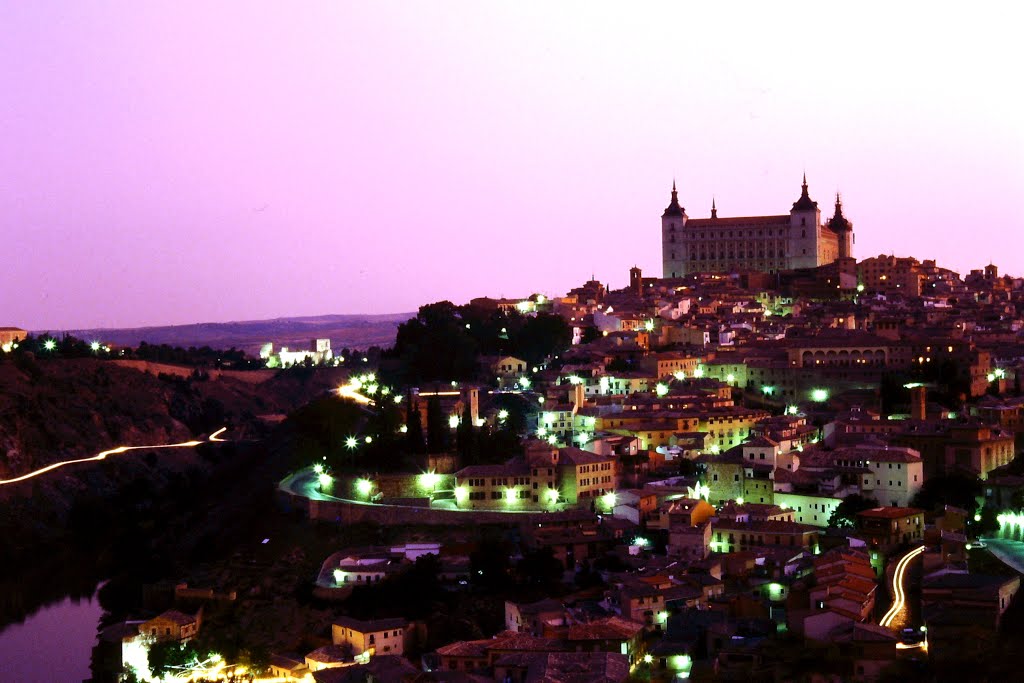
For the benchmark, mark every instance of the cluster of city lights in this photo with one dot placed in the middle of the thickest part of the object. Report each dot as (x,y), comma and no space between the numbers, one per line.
(51,345)
(1010,519)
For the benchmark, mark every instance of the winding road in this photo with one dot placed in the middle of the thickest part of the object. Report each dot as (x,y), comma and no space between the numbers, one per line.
(215,438)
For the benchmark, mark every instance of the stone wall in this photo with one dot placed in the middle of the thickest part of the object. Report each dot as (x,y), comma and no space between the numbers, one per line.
(351,512)
(250,376)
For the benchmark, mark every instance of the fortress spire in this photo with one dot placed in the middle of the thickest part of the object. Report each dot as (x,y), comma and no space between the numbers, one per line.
(804,203)
(714,209)
(673,208)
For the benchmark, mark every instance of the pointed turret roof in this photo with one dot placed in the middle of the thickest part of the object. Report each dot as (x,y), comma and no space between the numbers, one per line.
(804,203)
(714,209)
(673,208)
(838,222)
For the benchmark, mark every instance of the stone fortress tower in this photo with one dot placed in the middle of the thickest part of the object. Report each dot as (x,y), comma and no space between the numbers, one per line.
(767,244)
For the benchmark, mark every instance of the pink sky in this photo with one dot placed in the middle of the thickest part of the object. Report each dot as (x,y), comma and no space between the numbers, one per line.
(173,163)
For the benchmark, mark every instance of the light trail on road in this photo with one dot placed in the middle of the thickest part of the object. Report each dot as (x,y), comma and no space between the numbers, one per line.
(351,391)
(899,595)
(215,437)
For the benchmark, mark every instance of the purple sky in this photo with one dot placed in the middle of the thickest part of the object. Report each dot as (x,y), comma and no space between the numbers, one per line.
(172,163)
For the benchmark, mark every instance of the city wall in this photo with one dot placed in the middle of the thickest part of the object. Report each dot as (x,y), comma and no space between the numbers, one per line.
(353,512)
(184,371)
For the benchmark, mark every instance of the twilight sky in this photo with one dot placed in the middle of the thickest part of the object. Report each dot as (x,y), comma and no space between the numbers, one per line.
(184,162)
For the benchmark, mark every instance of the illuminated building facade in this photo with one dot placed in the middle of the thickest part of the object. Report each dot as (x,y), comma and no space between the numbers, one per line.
(767,244)
(544,479)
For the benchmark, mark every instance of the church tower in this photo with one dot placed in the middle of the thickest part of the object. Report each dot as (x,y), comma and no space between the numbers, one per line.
(673,255)
(804,231)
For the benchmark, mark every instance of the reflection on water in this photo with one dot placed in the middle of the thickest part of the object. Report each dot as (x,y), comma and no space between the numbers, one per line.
(54,644)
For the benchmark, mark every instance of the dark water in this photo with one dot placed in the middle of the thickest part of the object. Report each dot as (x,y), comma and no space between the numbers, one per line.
(53,645)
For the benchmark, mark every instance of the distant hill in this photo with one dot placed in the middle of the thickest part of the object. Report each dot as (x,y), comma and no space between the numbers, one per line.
(351,331)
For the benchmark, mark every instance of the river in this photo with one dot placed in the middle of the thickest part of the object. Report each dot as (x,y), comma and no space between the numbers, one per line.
(53,645)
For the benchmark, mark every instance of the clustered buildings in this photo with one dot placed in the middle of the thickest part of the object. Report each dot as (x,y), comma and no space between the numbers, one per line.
(694,448)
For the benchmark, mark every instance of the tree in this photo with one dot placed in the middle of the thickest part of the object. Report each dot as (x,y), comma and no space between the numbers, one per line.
(489,565)
(845,514)
(542,336)
(436,346)
(437,427)
(414,429)
(466,441)
(957,489)
(540,567)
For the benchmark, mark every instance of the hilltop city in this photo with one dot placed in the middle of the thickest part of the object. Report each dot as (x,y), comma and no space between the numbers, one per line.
(774,462)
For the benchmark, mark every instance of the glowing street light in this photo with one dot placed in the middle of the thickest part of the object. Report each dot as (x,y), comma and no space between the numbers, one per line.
(398,398)
(502,414)
(461,494)
(510,496)
(819,395)
(552,439)
(351,442)
(368,439)
(364,487)
(661,389)
(792,410)
(403,429)
(680,375)
(95,346)
(524,382)
(325,480)
(49,344)
(453,421)
(318,468)
(552,495)
(699,372)
(429,480)
(730,378)
(649,326)
(608,500)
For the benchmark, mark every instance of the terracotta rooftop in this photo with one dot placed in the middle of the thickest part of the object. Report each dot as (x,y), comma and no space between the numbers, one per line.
(890,513)
(176,617)
(371,626)
(611,628)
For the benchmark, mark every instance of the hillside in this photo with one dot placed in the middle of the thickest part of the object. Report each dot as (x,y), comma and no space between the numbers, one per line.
(344,331)
(57,409)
